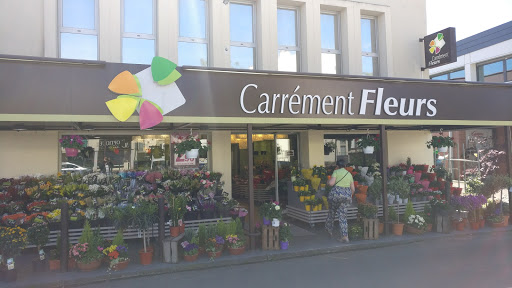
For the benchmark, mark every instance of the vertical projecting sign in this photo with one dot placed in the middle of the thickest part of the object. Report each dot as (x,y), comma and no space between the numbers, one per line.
(440,48)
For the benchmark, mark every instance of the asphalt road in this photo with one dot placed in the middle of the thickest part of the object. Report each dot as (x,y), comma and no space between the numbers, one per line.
(461,261)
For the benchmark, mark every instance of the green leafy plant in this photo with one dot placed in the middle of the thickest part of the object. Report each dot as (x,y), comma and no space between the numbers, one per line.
(367,210)
(329,146)
(355,231)
(144,215)
(201,235)
(37,234)
(393,217)
(375,190)
(409,210)
(285,233)
(71,141)
(399,186)
(177,208)
(222,229)
(494,183)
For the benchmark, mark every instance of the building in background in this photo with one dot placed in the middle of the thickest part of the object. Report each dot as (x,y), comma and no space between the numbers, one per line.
(483,57)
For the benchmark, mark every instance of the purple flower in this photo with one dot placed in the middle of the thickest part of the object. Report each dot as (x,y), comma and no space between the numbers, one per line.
(190,246)
(219,240)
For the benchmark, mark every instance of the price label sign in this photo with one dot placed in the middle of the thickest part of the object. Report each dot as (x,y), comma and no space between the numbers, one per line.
(10,264)
(41,255)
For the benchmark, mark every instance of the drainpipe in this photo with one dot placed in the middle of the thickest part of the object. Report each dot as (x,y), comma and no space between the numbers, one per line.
(250,183)
(384,167)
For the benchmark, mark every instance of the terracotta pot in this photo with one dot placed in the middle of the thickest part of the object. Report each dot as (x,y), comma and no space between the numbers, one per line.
(201,251)
(71,152)
(10,275)
(361,198)
(413,230)
(475,225)
(398,229)
(91,266)
(482,223)
(190,258)
(71,264)
(145,257)
(505,220)
(356,183)
(215,254)
(381,227)
(175,231)
(429,228)
(121,265)
(236,251)
(460,226)
(362,189)
(54,265)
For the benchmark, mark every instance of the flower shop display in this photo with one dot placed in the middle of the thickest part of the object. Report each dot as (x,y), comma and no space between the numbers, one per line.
(369,143)
(285,235)
(71,143)
(189,145)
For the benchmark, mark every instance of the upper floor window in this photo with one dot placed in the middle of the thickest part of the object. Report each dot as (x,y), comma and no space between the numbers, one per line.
(369,46)
(499,71)
(139,41)
(241,17)
(458,75)
(331,52)
(78,29)
(193,33)
(287,40)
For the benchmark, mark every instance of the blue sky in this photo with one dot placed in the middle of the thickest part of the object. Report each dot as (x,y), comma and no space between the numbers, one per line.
(469,17)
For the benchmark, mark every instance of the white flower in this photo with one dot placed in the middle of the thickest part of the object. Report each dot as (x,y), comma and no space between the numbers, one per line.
(277,207)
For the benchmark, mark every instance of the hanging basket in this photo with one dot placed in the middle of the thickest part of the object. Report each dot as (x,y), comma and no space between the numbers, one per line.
(71,152)
(192,153)
(443,149)
(368,149)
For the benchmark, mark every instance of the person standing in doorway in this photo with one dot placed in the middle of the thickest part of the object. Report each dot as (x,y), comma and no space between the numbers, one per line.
(339,198)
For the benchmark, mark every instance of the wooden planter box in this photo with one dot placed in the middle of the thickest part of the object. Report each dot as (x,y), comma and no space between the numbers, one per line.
(370,229)
(270,238)
(443,224)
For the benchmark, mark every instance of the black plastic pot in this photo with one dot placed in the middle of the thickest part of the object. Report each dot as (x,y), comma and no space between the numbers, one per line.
(10,275)
(40,265)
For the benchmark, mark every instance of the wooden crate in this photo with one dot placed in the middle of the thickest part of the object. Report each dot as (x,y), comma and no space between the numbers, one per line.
(270,237)
(370,229)
(443,224)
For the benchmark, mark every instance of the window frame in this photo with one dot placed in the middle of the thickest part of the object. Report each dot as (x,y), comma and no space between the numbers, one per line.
(138,35)
(196,40)
(337,40)
(80,31)
(297,49)
(504,72)
(448,73)
(254,32)
(376,38)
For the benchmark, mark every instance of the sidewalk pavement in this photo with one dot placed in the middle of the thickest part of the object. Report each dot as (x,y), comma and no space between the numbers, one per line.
(302,246)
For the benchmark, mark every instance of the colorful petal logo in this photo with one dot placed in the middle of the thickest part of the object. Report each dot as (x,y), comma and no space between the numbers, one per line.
(437,44)
(152,92)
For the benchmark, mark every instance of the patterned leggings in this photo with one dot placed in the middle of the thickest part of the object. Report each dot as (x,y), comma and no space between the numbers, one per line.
(339,198)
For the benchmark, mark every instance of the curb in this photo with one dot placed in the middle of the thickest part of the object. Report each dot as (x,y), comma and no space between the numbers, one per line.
(252,260)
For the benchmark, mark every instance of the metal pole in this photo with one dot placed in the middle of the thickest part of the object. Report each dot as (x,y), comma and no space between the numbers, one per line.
(464,166)
(508,148)
(161,227)
(384,165)
(276,174)
(64,238)
(250,182)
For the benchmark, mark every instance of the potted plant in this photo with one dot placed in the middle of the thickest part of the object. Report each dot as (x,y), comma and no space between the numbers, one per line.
(285,235)
(271,213)
(214,246)
(189,145)
(367,210)
(117,253)
(375,190)
(369,144)
(177,209)
(87,253)
(355,231)
(441,143)
(400,187)
(143,216)
(236,245)
(397,227)
(329,147)
(416,224)
(12,240)
(37,235)
(190,251)
(71,143)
